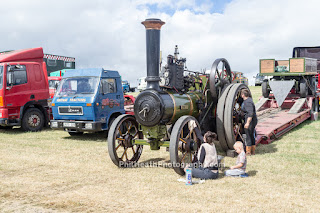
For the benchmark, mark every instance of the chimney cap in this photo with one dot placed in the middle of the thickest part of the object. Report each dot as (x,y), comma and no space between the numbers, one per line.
(153,24)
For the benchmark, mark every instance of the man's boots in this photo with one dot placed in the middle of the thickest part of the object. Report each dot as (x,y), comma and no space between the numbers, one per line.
(248,150)
(253,149)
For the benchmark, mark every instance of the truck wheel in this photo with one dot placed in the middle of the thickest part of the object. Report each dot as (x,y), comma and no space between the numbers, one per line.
(75,133)
(33,120)
(303,89)
(312,81)
(265,90)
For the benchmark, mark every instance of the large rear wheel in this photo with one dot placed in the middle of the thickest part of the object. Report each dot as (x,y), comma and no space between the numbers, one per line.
(220,118)
(233,121)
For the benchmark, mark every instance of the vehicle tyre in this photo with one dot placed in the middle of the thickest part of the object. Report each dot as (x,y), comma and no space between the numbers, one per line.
(265,90)
(184,143)
(312,81)
(122,134)
(303,89)
(232,115)
(33,120)
(220,118)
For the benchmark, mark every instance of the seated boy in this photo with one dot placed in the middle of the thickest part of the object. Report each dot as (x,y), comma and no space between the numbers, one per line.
(240,167)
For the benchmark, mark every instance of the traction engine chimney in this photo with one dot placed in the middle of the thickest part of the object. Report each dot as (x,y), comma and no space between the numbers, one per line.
(153,27)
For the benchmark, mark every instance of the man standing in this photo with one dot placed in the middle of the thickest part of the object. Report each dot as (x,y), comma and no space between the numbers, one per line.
(250,119)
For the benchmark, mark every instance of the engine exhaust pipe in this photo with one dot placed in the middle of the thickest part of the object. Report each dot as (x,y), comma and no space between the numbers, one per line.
(153,27)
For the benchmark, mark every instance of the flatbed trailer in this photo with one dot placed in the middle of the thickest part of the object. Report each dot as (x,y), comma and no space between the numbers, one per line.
(275,121)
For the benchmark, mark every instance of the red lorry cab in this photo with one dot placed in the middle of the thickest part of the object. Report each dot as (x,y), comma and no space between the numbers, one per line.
(24,89)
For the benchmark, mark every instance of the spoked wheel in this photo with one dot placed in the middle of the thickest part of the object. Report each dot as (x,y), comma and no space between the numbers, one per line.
(185,141)
(220,76)
(220,118)
(233,125)
(122,133)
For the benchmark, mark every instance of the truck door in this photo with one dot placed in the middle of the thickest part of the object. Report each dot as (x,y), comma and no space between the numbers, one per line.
(109,98)
(17,93)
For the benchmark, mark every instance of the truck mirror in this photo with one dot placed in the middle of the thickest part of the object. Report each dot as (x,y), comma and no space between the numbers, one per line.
(10,78)
(104,88)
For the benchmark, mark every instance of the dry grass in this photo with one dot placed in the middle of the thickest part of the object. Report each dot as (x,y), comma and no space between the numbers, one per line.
(50,171)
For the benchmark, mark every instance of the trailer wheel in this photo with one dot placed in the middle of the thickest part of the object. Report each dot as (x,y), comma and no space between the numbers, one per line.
(185,141)
(265,89)
(122,150)
(75,133)
(232,114)
(220,118)
(303,88)
(33,120)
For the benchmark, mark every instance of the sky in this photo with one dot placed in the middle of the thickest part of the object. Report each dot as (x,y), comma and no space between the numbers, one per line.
(109,34)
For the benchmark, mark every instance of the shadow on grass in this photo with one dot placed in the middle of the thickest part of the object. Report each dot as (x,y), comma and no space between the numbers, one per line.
(266,148)
(252,173)
(153,160)
(97,137)
(19,130)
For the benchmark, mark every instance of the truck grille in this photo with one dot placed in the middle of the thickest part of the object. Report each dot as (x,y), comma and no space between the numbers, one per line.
(71,110)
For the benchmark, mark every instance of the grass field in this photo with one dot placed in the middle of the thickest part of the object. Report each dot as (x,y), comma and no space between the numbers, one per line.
(50,171)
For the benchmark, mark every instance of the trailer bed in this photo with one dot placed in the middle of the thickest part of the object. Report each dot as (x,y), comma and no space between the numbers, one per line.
(276,124)
(274,121)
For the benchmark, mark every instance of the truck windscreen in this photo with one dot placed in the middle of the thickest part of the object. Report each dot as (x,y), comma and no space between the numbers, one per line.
(1,77)
(53,84)
(78,86)
(310,53)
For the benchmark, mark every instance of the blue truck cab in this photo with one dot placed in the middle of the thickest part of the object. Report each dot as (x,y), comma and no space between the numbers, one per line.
(125,86)
(87,100)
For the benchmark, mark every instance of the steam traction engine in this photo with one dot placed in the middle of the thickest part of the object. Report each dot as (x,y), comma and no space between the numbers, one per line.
(176,115)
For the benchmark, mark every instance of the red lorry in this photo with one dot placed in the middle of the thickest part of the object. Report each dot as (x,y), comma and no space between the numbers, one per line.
(24,90)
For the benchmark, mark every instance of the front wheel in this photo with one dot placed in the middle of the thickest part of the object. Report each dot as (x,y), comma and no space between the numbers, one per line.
(33,120)
(122,133)
(185,141)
